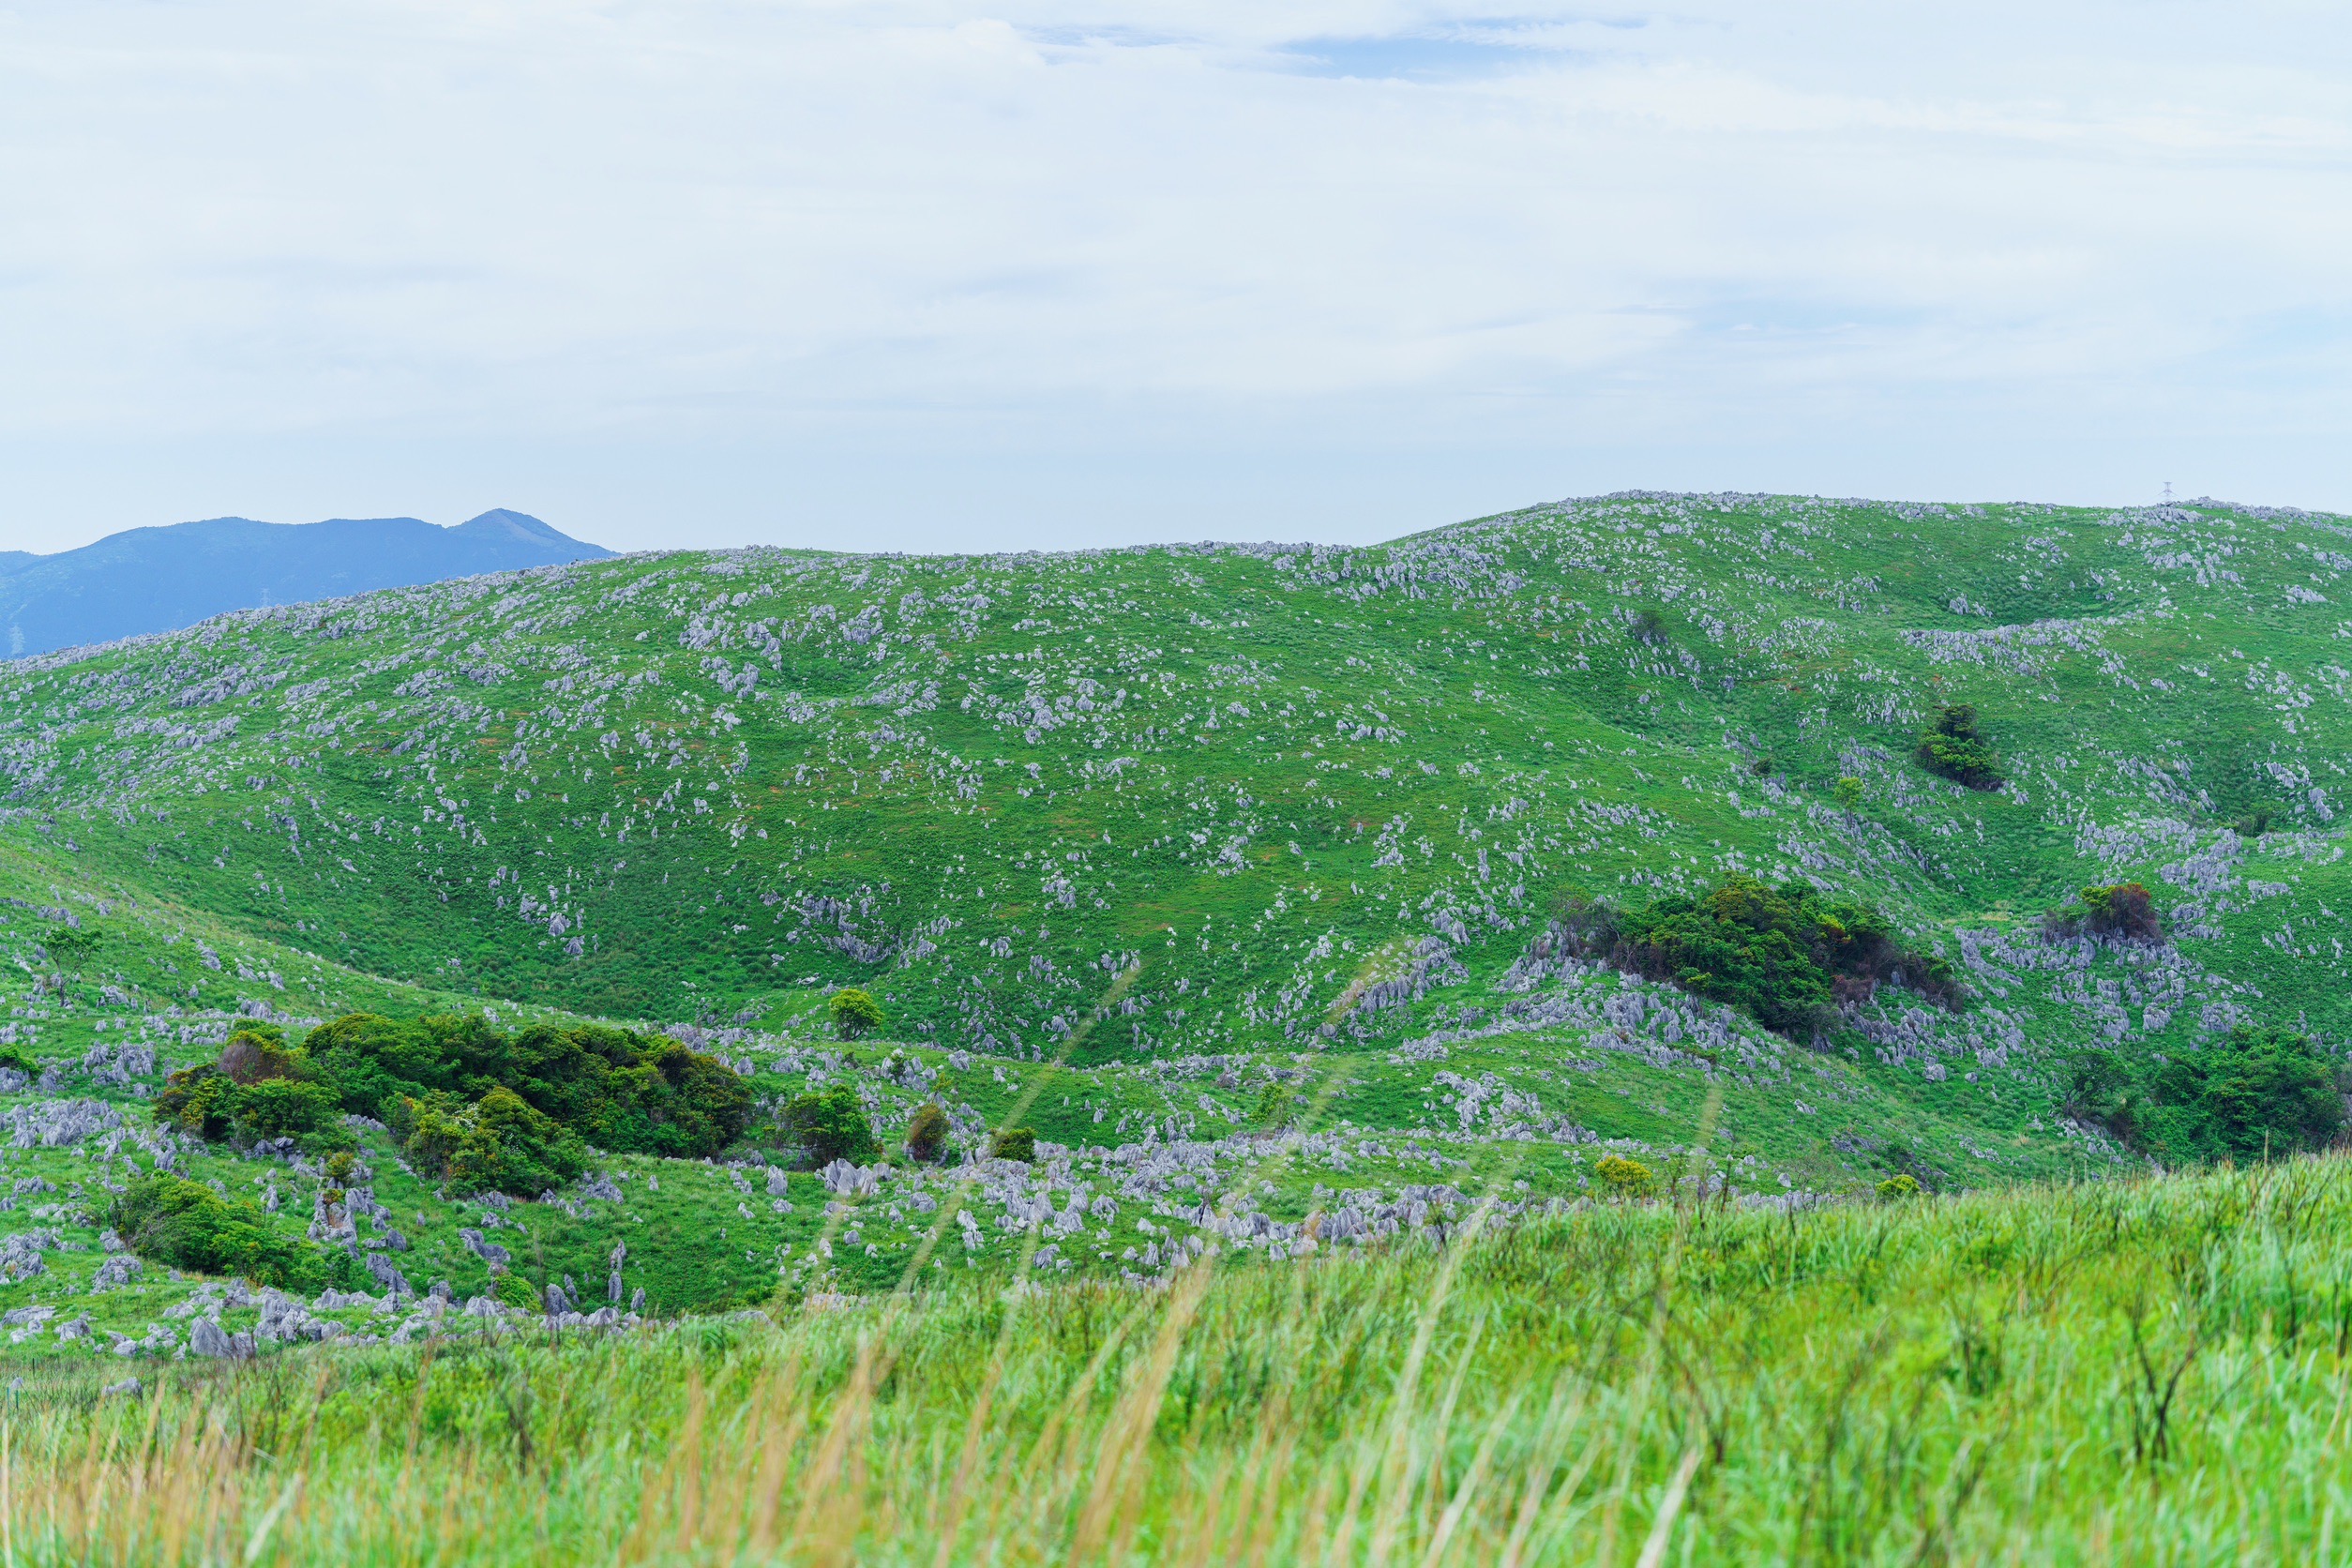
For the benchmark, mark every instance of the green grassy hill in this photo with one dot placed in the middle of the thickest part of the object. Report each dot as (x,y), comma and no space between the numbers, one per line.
(1119,837)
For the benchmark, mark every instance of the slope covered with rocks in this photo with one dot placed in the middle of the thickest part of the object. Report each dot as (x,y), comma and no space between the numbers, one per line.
(1156,849)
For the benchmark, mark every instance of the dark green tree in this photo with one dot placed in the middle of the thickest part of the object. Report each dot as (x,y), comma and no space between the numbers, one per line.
(1955,749)
(1786,956)
(832,1125)
(498,1142)
(2252,1095)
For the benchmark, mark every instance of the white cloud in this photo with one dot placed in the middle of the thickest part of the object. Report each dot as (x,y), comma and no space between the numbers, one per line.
(756,239)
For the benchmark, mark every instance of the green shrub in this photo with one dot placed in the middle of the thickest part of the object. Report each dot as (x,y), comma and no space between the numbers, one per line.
(283,1108)
(1786,957)
(498,1143)
(376,1062)
(2252,1095)
(1013,1143)
(1954,749)
(181,1225)
(1899,1187)
(2254,825)
(1623,1178)
(615,1087)
(2098,1088)
(1849,794)
(12,1058)
(854,1013)
(201,1100)
(257,1052)
(638,1093)
(2124,909)
(1273,1105)
(832,1125)
(927,1134)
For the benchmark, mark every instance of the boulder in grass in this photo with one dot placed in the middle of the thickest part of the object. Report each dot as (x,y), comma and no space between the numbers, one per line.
(207,1338)
(384,1274)
(489,1252)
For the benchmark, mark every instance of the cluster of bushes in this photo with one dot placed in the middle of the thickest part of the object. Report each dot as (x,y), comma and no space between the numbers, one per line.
(184,1226)
(2250,1096)
(617,1089)
(471,1104)
(2125,909)
(259,1088)
(1956,751)
(1784,955)
(831,1124)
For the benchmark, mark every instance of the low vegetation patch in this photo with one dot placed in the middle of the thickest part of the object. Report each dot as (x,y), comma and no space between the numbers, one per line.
(471,1104)
(927,1132)
(1622,1178)
(831,1125)
(183,1225)
(2126,911)
(2253,1094)
(1955,749)
(1786,957)
(2153,1367)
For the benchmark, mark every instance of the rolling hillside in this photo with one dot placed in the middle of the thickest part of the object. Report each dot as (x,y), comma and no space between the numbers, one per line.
(1122,838)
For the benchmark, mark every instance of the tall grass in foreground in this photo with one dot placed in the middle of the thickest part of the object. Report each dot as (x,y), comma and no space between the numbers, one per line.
(2119,1373)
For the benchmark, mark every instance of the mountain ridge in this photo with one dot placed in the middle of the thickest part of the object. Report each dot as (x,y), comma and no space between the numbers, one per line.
(167,577)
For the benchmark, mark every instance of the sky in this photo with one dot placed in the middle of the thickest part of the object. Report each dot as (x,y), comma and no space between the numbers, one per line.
(901,275)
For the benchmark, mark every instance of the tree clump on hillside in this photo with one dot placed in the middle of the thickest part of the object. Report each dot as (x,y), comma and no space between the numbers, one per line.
(617,1089)
(258,1091)
(2125,910)
(831,1125)
(471,1104)
(855,1012)
(2253,1094)
(1955,749)
(184,1226)
(498,1143)
(928,1133)
(1786,957)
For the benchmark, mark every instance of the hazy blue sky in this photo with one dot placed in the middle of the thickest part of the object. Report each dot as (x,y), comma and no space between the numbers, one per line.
(915,275)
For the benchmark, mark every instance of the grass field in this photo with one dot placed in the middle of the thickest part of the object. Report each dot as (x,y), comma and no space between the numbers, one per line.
(2150,1371)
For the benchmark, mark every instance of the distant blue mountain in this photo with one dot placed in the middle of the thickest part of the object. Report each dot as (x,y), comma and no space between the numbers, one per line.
(159,578)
